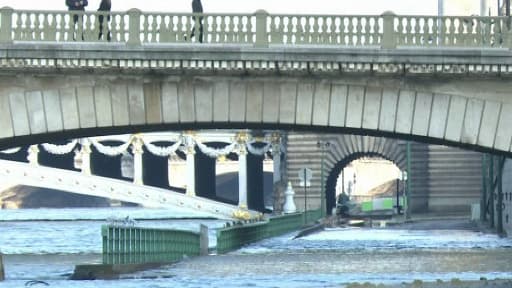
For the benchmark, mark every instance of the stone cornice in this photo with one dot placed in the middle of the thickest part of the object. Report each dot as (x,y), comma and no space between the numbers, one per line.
(239,59)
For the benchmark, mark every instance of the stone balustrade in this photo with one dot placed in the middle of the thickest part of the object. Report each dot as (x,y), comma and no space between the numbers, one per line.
(259,29)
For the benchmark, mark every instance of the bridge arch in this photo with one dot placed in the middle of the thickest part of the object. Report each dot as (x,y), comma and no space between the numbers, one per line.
(37,109)
(352,147)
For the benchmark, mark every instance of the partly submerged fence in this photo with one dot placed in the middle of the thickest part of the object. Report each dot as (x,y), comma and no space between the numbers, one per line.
(260,29)
(134,245)
(129,245)
(234,237)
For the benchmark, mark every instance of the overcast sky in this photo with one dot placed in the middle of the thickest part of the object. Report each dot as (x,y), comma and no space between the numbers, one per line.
(414,7)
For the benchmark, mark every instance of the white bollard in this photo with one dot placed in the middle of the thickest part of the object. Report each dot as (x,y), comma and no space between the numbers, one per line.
(289,203)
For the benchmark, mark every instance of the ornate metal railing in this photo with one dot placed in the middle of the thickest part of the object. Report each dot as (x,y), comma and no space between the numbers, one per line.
(259,29)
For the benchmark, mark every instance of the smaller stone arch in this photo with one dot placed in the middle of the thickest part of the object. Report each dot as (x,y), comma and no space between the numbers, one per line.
(353,147)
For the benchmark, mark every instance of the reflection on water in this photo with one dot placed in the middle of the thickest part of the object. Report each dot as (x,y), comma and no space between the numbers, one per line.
(49,250)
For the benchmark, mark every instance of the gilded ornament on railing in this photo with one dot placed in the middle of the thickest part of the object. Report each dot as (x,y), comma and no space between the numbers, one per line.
(242,213)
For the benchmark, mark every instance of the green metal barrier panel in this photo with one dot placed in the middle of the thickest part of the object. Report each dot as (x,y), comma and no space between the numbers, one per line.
(129,245)
(234,237)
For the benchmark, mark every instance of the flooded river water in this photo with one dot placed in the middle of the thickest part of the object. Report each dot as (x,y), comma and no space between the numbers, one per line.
(48,251)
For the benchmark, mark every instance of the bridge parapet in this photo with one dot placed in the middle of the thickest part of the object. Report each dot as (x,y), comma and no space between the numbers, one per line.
(259,29)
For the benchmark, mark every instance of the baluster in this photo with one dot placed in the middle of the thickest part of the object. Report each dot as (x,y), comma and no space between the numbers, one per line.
(156,28)
(400,31)
(164,30)
(315,33)
(361,30)
(173,33)
(452,32)
(23,29)
(307,31)
(332,31)
(273,29)
(280,30)
(240,28)
(366,33)
(376,31)
(299,35)
(459,39)
(215,31)
(342,31)
(289,30)
(251,35)
(417,32)
(408,31)
(37,33)
(497,33)
(206,29)
(231,33)
(223,28)
(180,27)
(60,21)
(350,30)
(50,31)
(123,28)
(27,27)
(145,28)
(323,33)
(444,31)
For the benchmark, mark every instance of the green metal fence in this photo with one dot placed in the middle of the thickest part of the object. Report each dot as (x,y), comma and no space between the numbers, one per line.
(129,245)
(234,237)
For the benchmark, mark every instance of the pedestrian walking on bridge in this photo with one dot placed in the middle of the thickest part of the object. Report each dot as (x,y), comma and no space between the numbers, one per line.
(105,6)
(197,7)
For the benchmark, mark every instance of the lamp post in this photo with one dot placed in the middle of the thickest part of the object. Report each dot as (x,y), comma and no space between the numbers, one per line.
(323,145)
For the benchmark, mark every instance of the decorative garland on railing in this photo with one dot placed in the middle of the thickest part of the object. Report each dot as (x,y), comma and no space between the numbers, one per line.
(60,149)
(215,153)
(110,150)
(11,150)
(162,151)
(258,151)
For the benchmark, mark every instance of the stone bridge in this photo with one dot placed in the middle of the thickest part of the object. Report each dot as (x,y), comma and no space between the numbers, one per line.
(442,80)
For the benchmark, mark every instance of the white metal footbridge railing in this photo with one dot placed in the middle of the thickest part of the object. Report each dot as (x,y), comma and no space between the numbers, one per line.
(18,173)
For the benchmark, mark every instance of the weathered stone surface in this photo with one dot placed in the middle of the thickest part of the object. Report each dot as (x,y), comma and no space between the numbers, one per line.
(153,102)
(455,118)
(103,104)
(378,105)
(220,101)
(136,104)
(170,108)
(321,103)
(338,105)
(388,110)
(490,117)
(288,103)
(255,102)
(355,105)
(120,111)
(405,112)
(19,113)
(36,115)
(372,103)
(237,101)
(204,100)
(472,120)
(86,109)
(305,92)
(440,105)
